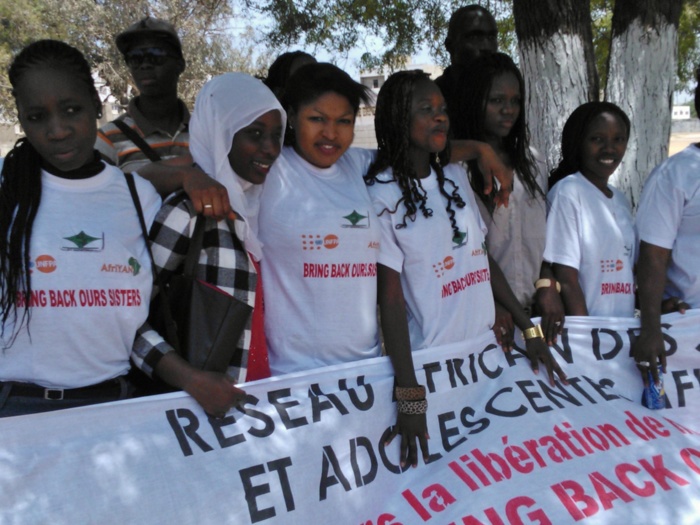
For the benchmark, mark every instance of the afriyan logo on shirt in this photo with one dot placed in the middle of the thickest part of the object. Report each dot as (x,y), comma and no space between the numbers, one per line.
(133,267)
(82,242)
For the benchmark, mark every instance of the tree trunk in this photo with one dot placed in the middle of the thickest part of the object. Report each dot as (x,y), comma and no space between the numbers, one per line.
(557,61)
(641,78)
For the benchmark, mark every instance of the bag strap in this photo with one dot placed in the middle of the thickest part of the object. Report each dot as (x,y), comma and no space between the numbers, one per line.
(138,140)
(195,247)
(170,326)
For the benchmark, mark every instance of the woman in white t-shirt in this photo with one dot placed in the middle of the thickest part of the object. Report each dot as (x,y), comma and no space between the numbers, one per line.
(590,232)
(436,281)
(74,276)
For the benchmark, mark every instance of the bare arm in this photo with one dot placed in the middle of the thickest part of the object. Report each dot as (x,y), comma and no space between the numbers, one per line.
(571,293)
(392,309)
(213,391)
(537,349)
(209,197)
(549,305)
(651,279)
(490,166)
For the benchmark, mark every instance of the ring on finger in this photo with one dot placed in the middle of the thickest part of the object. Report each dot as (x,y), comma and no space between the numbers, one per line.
(645,364)
(503,330)
(558,323)
(208,206)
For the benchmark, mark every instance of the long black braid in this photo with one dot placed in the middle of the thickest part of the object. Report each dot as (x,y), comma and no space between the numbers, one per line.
(392,124)
(20,186)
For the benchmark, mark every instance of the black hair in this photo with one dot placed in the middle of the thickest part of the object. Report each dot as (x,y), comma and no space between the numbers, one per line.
(392,125)
(472,114)
(279,72)
(455,23)
(20,184)
(312,81)
(574,132)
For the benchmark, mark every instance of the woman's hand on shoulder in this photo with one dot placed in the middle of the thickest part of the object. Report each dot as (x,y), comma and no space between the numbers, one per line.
(210,197)
(492,168)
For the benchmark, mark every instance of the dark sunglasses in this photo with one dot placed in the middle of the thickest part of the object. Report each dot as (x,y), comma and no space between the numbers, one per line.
(156,56)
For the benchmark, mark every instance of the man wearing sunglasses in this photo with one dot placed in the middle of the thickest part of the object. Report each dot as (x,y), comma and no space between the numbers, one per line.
(152,137)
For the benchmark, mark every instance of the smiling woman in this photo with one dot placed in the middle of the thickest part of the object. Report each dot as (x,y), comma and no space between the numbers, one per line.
(321,237)
(235,140)
(590,232)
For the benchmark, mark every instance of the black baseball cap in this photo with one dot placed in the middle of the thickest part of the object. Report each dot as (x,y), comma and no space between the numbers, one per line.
(150,27)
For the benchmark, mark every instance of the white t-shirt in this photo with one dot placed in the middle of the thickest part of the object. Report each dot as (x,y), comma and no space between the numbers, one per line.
(595,235)
(516,234)
(446,281)
(669,217)
(319,268)
(91,282)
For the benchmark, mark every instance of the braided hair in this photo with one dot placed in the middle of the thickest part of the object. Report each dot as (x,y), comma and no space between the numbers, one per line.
(20,185)
(472,111)
(392,124)
(574,132)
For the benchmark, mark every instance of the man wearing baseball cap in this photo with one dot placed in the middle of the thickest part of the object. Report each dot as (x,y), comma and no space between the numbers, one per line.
(152,137)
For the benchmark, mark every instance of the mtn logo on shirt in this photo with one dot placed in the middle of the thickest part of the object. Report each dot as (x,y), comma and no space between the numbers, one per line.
(356,220)
(441,267)
(611,265)
(82,242)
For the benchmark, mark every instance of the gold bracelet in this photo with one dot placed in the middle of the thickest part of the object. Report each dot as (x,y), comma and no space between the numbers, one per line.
(532,333)
(546,283)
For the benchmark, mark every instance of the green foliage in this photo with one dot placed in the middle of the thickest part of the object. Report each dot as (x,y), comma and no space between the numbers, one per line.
(92,25)
(401,27)
(688,45)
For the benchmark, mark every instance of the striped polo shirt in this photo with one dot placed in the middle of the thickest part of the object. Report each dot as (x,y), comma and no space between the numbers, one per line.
(117,149)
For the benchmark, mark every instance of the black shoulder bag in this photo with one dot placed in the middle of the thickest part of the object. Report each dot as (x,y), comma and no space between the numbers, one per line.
(201,322)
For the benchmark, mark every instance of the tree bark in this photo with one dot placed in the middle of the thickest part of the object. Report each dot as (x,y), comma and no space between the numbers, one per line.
(641,78)
(557,60)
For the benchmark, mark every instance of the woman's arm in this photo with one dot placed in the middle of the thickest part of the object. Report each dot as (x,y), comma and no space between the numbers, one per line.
(392,308)
(178,173)
(215,392)
(651,278)
(537,349)
(490,166)
(549,305)
(571,292)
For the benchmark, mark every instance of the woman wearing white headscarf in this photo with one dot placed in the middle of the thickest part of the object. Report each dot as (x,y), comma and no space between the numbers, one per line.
(236,134)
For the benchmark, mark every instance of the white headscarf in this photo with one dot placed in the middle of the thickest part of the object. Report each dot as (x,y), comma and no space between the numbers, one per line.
(225,105)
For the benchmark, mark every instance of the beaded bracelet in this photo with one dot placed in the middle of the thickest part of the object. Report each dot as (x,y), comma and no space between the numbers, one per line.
(412,407)
(414,393)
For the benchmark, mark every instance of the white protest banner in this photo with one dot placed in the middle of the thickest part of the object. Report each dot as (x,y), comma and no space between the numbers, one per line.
(506,447)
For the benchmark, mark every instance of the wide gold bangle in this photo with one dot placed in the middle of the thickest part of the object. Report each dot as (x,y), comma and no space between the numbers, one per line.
(546,283)
(532,333)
